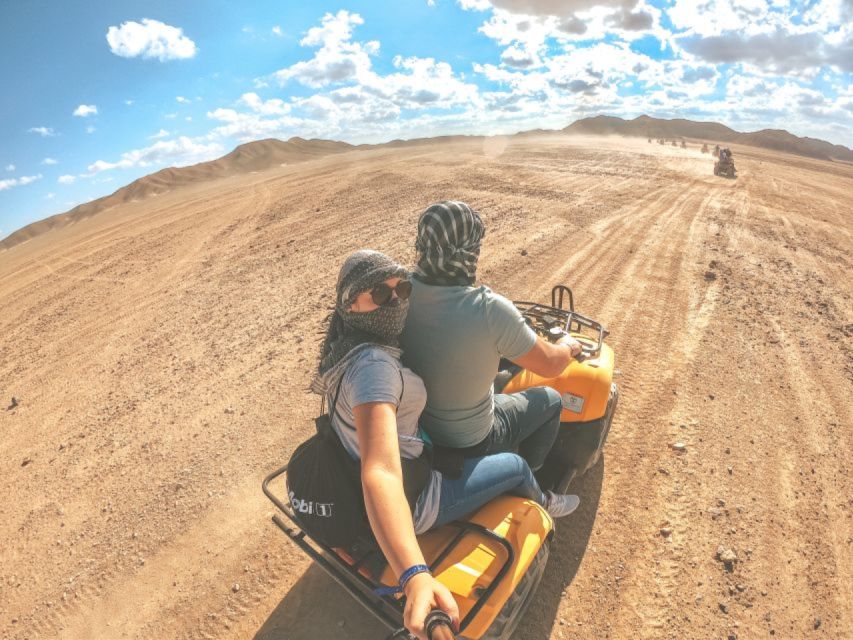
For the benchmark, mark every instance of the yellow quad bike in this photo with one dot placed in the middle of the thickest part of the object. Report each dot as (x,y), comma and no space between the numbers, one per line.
(493,560)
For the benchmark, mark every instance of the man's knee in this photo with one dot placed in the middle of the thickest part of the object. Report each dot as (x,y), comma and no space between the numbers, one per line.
(555,400)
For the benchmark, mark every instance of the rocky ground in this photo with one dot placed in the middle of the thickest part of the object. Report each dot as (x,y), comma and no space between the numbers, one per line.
(158,355)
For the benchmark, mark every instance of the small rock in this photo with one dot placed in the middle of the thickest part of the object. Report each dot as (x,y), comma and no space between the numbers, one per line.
(235,588)
(721,502)
(732,636)
(524,252)
(727,556)
(724,607)
(740,587)
(26,461)
(710,276)
(62,446)
(229,410)
(13,404)
(730,470)
(817,623)
(665,532)
(680,447)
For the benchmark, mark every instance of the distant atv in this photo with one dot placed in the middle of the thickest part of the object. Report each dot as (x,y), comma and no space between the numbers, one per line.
(683,144)
(705,148)
(674,143)
(725,165)
(717,151)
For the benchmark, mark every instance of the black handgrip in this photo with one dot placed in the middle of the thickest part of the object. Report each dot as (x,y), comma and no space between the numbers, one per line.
(438,626)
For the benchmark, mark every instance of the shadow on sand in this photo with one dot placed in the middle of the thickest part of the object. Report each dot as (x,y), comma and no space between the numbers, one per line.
(317,608)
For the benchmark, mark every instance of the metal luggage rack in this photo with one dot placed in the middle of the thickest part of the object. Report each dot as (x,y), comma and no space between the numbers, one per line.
(388,609)
(545,319)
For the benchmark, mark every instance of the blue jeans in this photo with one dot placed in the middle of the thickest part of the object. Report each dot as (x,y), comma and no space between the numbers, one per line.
(529,420)
(482,480)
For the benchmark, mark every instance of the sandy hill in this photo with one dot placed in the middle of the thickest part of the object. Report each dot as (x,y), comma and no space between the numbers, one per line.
(252,156)
(265,154)
(645,126)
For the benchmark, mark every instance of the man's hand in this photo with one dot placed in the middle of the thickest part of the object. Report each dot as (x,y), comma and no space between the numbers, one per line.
(423,594)
(573,344)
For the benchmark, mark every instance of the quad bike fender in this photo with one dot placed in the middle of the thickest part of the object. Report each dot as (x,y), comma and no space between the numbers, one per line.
(583,385)
(475,562)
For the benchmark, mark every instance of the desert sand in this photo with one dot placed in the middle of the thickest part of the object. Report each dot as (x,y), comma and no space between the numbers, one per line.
(160,352)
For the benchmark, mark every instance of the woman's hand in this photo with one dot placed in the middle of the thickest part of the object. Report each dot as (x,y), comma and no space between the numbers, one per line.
(423,594)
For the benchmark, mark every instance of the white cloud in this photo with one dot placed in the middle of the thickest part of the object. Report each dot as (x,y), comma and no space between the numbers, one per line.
(150,39)
(10,167)
(189,118)
(66,179)
(90,129)
(270,107)
(338,59)
(50,196)
(128,102)
(160,134)
(50,161)
(182,100)
(179,152)
(18,182)
(85,110)
(44,132)
(780,52)
(276,30)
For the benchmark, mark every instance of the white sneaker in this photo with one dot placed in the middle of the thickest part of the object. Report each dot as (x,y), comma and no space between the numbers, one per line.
(560,504)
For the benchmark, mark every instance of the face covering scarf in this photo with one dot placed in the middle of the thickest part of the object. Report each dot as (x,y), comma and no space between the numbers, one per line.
(350,332)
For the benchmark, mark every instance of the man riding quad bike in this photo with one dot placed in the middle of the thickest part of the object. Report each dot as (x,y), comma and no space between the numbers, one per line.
(725,165)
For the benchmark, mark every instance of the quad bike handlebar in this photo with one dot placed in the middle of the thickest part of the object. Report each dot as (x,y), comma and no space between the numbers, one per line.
(555,321)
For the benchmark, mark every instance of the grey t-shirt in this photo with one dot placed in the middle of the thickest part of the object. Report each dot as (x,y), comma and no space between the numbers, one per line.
(454,339)
(374,375)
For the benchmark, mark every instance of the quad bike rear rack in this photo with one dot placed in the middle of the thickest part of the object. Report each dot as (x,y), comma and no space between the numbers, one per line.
(387,609)
(555,320)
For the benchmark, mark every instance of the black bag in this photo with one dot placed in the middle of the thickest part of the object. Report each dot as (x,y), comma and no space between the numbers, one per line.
(324,485)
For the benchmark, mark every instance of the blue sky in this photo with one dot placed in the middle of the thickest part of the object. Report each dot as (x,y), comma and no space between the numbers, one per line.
(98,94)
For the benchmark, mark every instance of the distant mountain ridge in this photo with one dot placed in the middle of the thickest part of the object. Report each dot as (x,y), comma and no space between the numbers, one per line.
(252,156)
(265,154)
(776,139)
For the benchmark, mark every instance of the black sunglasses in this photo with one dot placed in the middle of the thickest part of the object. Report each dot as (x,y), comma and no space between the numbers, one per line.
(381,293)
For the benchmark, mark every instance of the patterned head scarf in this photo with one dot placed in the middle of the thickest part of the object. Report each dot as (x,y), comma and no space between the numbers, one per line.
(349,331)
(449,238)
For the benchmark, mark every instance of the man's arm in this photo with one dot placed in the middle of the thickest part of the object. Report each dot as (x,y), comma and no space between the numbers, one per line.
(549,359)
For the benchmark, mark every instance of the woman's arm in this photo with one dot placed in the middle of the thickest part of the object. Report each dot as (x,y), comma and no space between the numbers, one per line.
(389,513)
